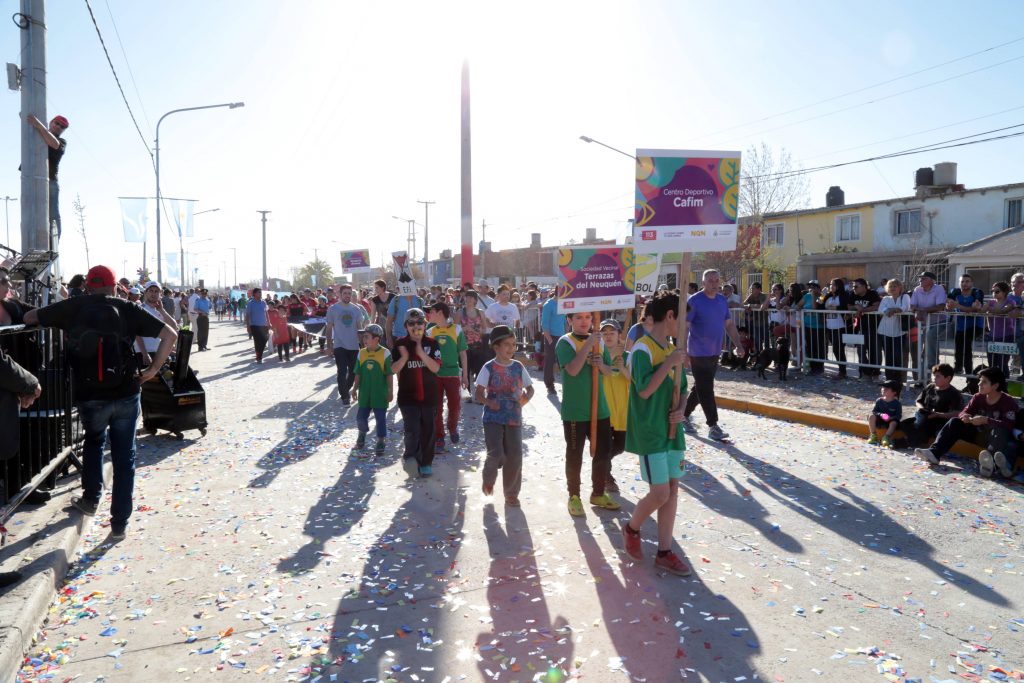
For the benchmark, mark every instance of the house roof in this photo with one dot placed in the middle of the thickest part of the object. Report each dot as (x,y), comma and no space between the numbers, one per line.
(1008,243)
(894,200)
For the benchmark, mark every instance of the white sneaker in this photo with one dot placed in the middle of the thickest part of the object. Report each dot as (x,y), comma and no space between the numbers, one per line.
(927,455)
(986,463)
(1002,464)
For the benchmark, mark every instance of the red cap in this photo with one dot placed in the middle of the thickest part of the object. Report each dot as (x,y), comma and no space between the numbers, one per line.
(61,120)
(100,276)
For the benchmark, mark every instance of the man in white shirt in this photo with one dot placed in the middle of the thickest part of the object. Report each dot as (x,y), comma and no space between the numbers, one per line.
(484,290)
(145,347)
(193,314)
(502,312)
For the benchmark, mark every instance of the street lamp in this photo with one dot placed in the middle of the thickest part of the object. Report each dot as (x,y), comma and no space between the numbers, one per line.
(598,142)
(192,253)
(411,238)
(234,250)
(159,258)
(181,240)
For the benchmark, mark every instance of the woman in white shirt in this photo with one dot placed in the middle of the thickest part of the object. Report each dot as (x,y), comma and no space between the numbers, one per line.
(892,338)
(835,323)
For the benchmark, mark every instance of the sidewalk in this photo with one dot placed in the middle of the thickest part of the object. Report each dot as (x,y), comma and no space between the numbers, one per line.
(269,549)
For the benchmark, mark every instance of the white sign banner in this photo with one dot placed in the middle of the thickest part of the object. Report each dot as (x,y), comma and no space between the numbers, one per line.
(648,266)
(133,218)
(406,285)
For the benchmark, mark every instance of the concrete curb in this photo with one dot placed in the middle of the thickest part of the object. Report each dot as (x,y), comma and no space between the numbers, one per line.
(829,422)
(25,605)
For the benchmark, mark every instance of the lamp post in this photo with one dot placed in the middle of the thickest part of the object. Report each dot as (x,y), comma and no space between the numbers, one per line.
(264,215)
(234,251)
(159,258)
(193,253)
(411,238)
(598,142)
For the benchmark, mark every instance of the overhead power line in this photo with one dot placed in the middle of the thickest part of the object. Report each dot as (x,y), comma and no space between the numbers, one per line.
(865,88)
(118,81)
(131,74)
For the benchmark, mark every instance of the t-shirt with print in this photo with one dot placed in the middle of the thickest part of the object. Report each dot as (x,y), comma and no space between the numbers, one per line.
(380,307)
(868,323)
(451,340)
(503,314)
(373,368)
(345,321)
(576,391)
(647,418)
(707,318)
(417,385)
(504,384)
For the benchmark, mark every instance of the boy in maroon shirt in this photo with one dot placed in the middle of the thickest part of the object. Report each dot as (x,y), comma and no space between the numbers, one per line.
(991,410)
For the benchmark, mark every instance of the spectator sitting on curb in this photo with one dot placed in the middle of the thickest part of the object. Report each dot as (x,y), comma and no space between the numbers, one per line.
(886,412)
(937,403)
(991,410)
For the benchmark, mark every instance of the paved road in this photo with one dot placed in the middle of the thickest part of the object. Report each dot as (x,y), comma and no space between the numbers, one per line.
(270,549)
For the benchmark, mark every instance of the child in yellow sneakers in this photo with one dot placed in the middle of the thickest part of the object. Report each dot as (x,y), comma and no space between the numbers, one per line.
(887,412)
(616,392)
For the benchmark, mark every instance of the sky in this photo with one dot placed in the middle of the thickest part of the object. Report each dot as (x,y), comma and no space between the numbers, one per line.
(352,112)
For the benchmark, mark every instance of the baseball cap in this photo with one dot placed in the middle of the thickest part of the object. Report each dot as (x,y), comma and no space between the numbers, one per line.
(891,384)
(100,276)
(415,315)
(612,323)
(152,283)
(374,329)
(134,290)
(60,120)
(928,273)
(815,283)
(500,332)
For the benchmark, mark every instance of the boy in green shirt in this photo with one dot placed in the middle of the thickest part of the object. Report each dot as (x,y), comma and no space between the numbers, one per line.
(576,355)
(454,372)
(373,388)
(653,364)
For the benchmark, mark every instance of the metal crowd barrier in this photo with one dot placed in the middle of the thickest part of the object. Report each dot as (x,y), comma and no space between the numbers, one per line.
(50,435)
(967,340)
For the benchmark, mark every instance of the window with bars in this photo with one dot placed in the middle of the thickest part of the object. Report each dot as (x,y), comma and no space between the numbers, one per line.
(848,228)
(908,222)
(772,235)
(1014,216)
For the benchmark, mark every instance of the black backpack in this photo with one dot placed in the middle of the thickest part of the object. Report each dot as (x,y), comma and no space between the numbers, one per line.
(101,349)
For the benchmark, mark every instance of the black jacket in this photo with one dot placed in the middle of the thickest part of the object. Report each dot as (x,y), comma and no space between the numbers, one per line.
(14,381)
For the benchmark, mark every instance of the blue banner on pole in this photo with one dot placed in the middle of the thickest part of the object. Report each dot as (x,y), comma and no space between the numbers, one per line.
(171,265)
(181,210)
(133,218)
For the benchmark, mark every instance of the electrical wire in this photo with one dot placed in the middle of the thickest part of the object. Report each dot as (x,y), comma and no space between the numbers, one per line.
(127,64)
(865,88)
(118,81)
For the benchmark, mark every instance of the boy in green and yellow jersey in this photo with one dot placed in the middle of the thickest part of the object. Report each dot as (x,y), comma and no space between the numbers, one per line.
(454,372)
(616,392)
(653,363)
(576,355)
(373,387)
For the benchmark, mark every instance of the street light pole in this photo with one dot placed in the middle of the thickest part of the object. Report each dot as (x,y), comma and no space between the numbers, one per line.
(426,236)
(181,240)
(598,142)
(159,258)
(264,214)
(234,250)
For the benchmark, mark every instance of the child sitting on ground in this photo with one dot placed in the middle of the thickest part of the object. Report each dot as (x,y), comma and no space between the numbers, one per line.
(991,410)
(887,413)
(937,403)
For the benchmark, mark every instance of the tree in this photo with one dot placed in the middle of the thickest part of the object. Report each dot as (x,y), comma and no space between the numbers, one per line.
(314,274)
(771,183)
(80,212)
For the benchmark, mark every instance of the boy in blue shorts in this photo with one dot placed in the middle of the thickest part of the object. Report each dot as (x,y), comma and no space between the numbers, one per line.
(653,363)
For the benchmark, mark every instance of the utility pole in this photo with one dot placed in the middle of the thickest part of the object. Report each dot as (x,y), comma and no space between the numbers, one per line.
(466,185)
(426,237)
(7,218)
(483,251)
(410,240)
(234,250)
(35,187)
(264,215)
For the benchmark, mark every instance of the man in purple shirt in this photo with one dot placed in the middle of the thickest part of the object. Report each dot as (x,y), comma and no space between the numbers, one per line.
(708,319)
(928,301)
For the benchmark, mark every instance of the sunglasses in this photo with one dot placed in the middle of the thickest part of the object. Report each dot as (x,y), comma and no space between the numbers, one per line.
(415,323)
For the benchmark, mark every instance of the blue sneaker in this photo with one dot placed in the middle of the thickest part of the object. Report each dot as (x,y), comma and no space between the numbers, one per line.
(426,471)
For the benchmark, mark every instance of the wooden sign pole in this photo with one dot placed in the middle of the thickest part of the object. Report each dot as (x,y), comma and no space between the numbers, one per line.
(595,375)
(684,288)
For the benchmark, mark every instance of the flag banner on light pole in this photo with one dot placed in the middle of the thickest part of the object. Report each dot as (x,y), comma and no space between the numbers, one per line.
(595,279)
(181,210)
(171,267)
(133,218)
(406,284)
(686,200)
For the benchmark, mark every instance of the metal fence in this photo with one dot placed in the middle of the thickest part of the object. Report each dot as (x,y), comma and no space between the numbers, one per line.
(50,434)
(903,348)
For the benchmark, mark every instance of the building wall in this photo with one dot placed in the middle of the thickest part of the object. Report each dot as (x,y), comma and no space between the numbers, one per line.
(816,232)
(947,220)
